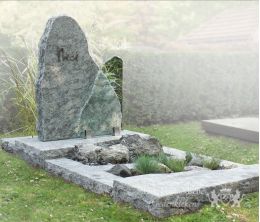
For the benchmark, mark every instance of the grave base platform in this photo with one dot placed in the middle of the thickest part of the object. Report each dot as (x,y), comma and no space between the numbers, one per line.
(161,195)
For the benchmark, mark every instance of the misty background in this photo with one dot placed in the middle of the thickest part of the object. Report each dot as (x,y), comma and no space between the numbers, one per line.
(181,60)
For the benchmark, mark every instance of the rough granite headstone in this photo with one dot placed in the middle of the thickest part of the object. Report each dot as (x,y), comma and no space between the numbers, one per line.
(74,99)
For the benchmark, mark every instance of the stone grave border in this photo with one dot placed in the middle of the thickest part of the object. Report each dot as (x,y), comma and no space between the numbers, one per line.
(159,194)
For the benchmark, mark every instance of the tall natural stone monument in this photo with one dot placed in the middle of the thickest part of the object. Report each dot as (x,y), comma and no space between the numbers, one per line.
(74,98)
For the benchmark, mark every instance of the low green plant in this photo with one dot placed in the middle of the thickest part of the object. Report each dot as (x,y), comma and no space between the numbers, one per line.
(212,163)
(146,164)
(176,165)
(188,157)
(162,158)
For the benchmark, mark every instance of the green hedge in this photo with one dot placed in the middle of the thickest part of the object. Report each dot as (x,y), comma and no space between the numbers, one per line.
(168,87)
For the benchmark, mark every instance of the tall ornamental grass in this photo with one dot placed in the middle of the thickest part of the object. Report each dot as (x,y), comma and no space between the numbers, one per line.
(19,78)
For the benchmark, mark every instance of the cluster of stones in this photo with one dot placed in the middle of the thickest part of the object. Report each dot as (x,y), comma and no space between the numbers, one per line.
(124,150)
(127,149)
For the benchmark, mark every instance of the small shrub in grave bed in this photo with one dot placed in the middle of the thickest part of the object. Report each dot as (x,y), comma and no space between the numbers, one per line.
(158,164)
(162,158)
(147,164)
(212,163)
(176,165)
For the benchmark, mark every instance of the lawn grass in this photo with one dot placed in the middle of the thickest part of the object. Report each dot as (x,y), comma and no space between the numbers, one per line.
(190,137)
(30,194)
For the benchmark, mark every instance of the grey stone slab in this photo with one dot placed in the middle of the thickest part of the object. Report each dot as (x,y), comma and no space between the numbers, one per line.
(247,123)
(165,194)
(9,144)
(73,97)
(241,128)
(93,178)
(29,154)
(35,143)
(35,151)
(161,185)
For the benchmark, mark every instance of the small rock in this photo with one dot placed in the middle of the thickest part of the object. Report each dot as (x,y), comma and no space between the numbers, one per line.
(120,170)
(163,168)
(135,172)
(114,154)
(138,145)
(87,153)
(196,161)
